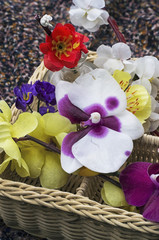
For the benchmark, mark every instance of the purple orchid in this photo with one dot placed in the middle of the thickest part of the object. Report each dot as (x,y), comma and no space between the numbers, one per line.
(48,109)
(24,96)
(140,183)
(45,92)
(96,102)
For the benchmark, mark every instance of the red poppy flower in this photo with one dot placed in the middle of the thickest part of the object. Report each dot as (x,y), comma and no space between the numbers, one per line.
(63,47)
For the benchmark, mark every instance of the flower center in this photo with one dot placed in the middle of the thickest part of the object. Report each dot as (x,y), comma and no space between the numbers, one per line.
(95,117)
(62,45)
(133,100)
(26,96)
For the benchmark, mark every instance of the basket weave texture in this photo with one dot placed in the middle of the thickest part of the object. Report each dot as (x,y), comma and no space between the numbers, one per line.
(76,211)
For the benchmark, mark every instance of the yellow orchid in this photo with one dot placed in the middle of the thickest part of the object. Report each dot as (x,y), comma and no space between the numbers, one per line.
(51,129)
(25,124)
(138,98)
(114,196)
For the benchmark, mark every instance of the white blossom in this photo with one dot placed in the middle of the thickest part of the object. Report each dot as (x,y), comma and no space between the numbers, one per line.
(88,14)
(115,58)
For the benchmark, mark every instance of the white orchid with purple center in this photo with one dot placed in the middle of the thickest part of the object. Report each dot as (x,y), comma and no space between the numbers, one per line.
(96,102)
(88,14)
(114,58)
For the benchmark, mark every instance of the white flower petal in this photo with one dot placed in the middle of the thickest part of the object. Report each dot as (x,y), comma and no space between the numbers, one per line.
(90,24)
(105,16)
(154,104)
(82,4)
(130,125)
(69,164)
(97,4)
(113,64)
(121,51)
(104,51)
(77,16)
(62,89)
(103,54)
(129,66)
(97,87)
(154,116)
(93,29)
(93,14)
(145,67)
(103,154)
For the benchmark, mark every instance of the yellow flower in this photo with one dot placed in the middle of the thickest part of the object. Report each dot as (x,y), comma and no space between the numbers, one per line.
(114,196)
(138,98)
(25,124)
(52,128)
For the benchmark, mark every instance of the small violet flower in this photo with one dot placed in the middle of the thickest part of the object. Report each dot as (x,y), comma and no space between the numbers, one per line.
(140,183)
(45,92)
(88,14)
(48,109)
(96,101)
(24,96)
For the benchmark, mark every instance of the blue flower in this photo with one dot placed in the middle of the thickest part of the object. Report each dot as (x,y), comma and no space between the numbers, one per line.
(49,109)
(24,96)
(45,92)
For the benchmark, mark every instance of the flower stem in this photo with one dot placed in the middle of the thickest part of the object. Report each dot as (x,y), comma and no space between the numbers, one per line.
(30,108)
(115,28)
(38,106)
(50,147)
(110,180)
(156,133)
(46,29)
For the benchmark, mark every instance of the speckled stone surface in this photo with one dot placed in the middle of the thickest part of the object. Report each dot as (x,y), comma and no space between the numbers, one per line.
(20,37)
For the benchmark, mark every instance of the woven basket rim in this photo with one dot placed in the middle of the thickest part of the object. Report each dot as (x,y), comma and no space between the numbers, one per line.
(75,203)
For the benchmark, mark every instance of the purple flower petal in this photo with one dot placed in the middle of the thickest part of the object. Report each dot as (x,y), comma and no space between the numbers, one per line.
(136,183)
(24,96)
(98,131)
(45,92)
(20,105)
(153,169)
(112,103)
(49,109)
(68,162)
(70,139)
(112,123)
(73,113)
(96,108)
(151,209)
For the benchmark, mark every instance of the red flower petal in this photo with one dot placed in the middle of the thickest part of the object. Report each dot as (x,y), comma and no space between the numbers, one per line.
(52,65)
(60,30)
(44,47)
(71,27)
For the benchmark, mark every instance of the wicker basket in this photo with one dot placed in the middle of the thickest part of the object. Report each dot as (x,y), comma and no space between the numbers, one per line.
(76,211)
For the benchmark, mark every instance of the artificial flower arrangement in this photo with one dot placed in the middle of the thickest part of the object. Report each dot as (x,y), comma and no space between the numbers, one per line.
(87,114)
